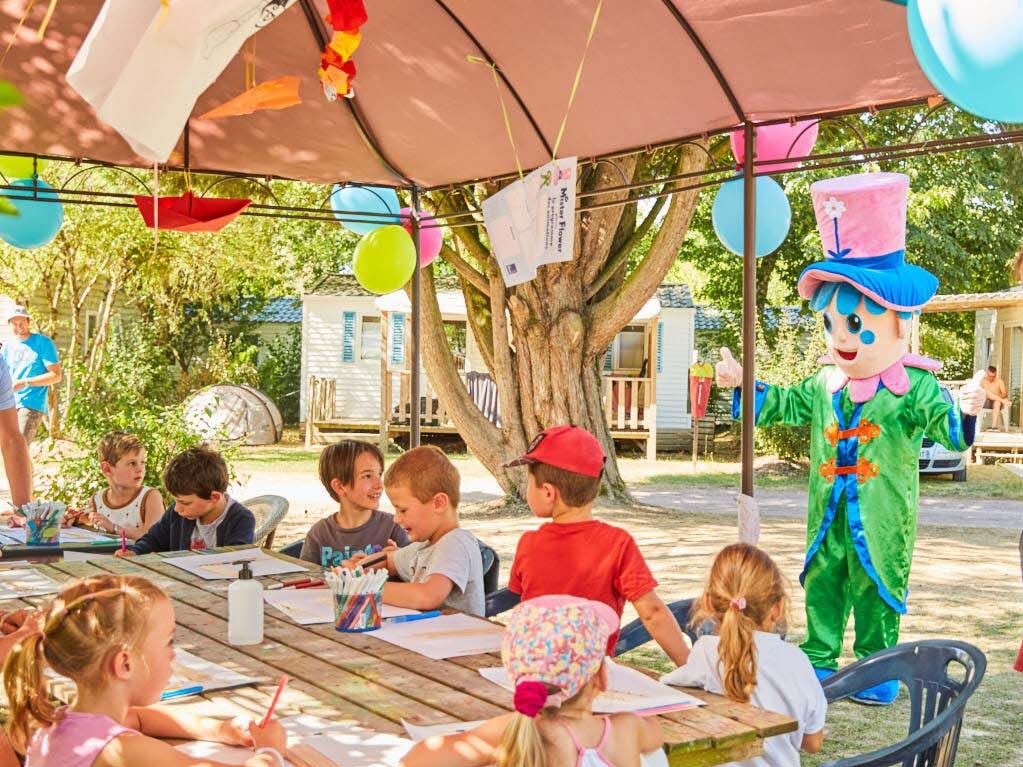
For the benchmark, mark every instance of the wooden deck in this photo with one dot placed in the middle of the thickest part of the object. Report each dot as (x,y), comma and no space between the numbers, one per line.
(358,679)
(998,445)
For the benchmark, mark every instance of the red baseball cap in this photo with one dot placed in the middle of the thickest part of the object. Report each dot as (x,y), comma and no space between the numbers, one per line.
(566,447)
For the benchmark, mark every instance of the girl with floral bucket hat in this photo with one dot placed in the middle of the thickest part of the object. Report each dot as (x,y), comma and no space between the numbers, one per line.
(554,652)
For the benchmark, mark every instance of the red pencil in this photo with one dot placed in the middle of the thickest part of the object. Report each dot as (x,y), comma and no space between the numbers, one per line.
(310,584)
(273,703)
(124,541)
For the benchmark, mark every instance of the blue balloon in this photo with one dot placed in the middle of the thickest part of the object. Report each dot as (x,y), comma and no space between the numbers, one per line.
(774,215)
(365,199)
(972,52)
(37,223)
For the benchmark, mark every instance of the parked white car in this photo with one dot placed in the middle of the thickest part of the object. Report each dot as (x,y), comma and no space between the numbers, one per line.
(937,459)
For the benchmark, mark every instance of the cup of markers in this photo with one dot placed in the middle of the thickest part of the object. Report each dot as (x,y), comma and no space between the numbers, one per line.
(358,598)
(42,522)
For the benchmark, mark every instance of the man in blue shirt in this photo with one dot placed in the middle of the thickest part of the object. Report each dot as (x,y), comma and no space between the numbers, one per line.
(35,366)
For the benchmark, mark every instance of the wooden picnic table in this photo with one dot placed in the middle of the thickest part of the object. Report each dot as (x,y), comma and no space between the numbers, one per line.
(358,679)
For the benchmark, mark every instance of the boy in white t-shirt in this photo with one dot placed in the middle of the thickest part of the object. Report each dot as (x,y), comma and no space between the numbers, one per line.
(443,566)
(126,505)
(746,661)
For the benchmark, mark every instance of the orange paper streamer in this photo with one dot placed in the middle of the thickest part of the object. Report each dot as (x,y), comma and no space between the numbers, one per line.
(280,93)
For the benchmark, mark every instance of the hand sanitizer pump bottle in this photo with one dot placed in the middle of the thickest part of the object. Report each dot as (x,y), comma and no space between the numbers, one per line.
(245,609)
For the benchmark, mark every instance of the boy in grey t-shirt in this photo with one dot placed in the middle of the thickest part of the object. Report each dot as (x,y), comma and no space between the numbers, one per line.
(351,471)
(442,567)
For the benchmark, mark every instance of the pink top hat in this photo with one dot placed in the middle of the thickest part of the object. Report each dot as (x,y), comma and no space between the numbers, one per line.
(862,222)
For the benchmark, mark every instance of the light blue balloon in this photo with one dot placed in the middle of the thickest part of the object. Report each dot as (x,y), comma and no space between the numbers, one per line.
(774,215)
(365,199)
(972,52)
(37,223)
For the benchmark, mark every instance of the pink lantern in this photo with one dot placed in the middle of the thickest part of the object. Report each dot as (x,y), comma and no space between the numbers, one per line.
(430,237)
(775,142)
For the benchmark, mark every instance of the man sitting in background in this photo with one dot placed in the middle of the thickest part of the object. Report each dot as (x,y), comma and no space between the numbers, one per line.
(997,397)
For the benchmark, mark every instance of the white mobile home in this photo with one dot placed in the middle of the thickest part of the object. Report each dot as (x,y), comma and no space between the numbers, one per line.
(353,349)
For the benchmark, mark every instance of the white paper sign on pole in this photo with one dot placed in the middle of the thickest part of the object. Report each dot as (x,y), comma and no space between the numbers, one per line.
(532,221)
(143,69)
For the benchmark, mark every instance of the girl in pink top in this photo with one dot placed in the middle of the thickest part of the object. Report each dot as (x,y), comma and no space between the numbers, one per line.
(553,652)
(114,637)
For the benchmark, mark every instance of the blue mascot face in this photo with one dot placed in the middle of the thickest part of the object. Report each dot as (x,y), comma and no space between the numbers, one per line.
(863,337)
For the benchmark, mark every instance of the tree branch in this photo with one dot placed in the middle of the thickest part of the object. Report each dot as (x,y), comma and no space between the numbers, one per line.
(613,311)
(622,254)
(465,270)
(597,227)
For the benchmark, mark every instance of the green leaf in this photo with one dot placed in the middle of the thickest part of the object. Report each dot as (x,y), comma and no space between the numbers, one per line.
(9,95)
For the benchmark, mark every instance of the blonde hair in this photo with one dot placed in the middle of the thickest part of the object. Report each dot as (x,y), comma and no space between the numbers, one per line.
(117,444)
(743,587)
(523,743)
(425,471)
(83,626)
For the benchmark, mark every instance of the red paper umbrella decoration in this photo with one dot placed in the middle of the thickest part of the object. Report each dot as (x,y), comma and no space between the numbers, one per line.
(189,213)
(346,15)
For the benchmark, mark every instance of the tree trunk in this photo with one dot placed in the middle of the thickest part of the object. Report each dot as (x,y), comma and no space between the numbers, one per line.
(547,337)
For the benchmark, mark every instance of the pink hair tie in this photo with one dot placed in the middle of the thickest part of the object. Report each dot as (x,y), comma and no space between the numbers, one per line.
(739,603)
(530,698)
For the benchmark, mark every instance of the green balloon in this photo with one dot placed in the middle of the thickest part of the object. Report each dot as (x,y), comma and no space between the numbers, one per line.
(15,166)
(385,259)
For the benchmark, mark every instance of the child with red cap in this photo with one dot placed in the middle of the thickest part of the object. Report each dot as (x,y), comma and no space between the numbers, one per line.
(577,554)
(553,652)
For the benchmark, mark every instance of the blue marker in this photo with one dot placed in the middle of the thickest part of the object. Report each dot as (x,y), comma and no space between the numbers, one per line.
(168,694)
(414,617)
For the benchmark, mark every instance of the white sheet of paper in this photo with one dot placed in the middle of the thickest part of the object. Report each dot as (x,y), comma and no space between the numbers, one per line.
(213,567)
(510,229)
(446,636)
(307,607)
(18,583)
(424,731)
(627,690)
(343,745)
(16,536)
(191,670)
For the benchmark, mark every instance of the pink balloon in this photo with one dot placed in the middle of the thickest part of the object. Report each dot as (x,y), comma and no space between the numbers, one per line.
(430,238)
(775,142)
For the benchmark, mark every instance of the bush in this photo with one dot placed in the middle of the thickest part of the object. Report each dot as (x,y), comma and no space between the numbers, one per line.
(280,373)
(785,357)
(123,394)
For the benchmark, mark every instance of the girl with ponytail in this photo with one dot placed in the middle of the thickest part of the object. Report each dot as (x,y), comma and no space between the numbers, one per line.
(113,636)
(553,652)
(747,661)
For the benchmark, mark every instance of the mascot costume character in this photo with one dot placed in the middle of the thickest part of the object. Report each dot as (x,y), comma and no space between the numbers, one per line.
(868,407)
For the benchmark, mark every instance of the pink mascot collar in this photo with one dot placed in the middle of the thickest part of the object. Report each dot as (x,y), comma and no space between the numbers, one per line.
(894,378)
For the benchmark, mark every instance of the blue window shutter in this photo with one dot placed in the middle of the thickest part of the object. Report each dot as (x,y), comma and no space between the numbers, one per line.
(397,339)
(608,359)
(348,338)
(660,344)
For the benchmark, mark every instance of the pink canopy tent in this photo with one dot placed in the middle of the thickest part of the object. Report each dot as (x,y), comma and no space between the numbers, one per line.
(423,117)
(656,71)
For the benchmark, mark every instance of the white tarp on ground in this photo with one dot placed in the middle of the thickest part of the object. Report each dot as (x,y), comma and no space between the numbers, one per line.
(236,413)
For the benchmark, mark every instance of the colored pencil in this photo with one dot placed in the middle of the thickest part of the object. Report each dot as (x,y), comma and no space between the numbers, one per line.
(182,692)
(414,617)
(273,703)
(124,541)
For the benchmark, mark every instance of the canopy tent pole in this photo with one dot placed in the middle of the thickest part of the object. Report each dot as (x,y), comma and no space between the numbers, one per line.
(749,307)
(414,435)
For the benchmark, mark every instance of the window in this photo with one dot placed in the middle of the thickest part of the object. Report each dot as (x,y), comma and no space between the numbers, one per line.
(91,327)
(455,331)
(631,351)
(369,343)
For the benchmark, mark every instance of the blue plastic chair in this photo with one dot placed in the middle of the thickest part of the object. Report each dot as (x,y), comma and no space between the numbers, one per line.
(635,633)
(937,701)
(500,601)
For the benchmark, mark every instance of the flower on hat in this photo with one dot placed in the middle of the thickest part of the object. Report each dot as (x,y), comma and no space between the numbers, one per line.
(834,208)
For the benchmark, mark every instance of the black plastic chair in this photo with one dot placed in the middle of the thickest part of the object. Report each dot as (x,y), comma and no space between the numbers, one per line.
(500,601)
(292,549)
(937,701)
(491,567)
(635,634)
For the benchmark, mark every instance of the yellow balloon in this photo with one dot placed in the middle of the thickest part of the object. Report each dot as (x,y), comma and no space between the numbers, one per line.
(384,259)
(15,166)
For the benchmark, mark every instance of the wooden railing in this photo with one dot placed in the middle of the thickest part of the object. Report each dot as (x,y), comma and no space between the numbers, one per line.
(629,403)
(322,401)
(431,407)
